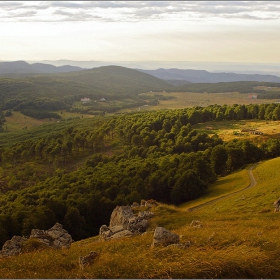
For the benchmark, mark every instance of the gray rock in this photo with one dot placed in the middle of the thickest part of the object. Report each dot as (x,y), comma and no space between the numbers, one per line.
(121,234)
(120,216)
(164,237)
(146,214)
(137,224)
(55,237)
(12,247)
(61,238)
(104,232)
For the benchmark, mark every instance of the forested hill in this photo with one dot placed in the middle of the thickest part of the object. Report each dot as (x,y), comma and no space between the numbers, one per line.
(103,80)
(117,79)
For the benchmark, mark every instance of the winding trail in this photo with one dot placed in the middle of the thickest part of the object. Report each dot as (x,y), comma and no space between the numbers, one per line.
(253,183)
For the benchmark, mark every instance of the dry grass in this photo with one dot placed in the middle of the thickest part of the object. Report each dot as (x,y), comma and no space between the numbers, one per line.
(18,121)
(191,99)
(226,129)
(239,238)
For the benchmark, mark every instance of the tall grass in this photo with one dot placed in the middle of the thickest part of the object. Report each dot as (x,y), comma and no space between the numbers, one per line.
(239,238)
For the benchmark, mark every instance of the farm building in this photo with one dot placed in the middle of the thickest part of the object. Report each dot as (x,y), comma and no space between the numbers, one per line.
(85,100)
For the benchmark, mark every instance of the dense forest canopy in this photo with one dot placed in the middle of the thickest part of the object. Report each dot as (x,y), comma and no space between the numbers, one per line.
(122,159)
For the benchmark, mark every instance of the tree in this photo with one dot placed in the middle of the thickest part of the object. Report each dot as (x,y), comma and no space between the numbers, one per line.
(218,159)
(235,158)
(188,186)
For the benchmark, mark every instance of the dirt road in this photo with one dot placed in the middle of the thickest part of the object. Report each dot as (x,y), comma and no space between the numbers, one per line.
(253,183)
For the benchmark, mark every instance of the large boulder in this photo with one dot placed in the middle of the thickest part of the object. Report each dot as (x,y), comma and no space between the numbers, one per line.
(61,238)
(124,223)
(164,237)
(55,237)
(120,216)
(12,247)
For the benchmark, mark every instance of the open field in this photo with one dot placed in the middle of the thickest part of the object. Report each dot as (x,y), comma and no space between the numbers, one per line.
(18,121)
(238,238)
(228,130)
(190,99)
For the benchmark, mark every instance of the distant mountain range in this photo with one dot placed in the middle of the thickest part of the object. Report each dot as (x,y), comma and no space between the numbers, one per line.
(173,76)
(22,67)
(179,76)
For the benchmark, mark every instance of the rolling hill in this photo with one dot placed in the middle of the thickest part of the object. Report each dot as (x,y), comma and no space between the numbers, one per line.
(98,82)
(22,67)
(202,76)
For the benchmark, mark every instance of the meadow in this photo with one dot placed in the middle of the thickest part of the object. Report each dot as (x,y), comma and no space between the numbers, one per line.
(238,238)
(191,99)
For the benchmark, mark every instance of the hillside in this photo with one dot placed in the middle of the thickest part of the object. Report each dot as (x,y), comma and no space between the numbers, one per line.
(109,80)
(202,76)
(237,238)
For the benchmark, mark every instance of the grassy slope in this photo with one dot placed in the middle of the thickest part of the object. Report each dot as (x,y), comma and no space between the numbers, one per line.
(239,239)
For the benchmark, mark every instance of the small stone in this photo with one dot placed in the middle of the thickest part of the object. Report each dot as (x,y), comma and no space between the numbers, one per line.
(87,260)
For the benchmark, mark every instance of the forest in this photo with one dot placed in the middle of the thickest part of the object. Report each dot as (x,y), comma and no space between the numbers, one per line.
(75,172)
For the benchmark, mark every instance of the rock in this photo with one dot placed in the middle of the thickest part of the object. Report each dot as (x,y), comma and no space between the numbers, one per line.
(116,229)
(87,260)
(137,225)
(124,223)
(12,247)
(61,238)
(276,204)
(104,232)
(142,202)
(146,215)
(42,236)
(196,224)
(121,216)
(121,234)
(151,203)
(135,204)
(55,237)
(164,237)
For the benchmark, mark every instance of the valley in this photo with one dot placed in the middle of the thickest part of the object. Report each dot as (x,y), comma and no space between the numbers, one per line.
(75,145)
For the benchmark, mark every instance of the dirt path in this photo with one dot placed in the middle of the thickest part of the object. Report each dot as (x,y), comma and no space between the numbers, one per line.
(253,183)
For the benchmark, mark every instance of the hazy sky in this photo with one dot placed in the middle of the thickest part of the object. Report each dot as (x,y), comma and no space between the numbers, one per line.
(225,31)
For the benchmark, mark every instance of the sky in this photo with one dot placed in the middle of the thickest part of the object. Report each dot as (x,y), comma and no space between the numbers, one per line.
(202,31)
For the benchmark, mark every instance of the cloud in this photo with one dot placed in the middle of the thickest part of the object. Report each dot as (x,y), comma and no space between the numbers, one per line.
(59,11)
